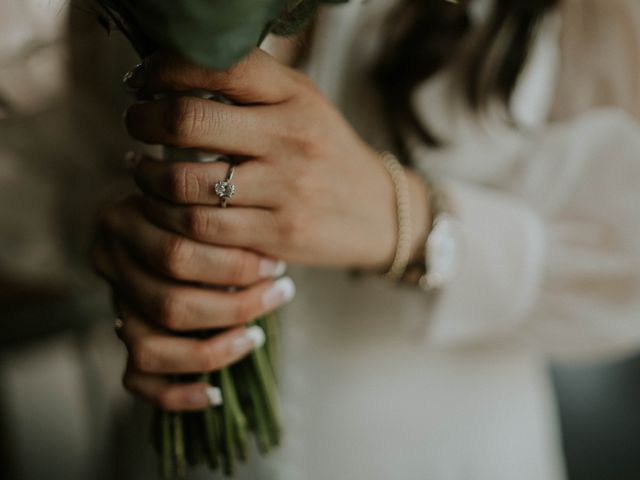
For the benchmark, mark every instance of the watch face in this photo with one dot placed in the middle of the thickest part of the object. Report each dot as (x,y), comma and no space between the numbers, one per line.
(444,250)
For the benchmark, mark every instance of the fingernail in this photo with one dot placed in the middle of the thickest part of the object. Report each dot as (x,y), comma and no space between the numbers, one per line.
(131,160)
(214,396)
(136,78)
(252,338)
(281,292)
(209,396)
(270,268)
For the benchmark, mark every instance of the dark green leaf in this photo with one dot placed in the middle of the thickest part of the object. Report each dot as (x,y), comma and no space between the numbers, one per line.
(215,33)
(295,18)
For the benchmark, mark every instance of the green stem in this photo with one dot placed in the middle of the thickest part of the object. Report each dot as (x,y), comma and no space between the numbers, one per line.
(228,422)
(194,441)
(178,445)
(211,430)
(266,382)
(240,427)
(270,326)
(166,465)
(261,425)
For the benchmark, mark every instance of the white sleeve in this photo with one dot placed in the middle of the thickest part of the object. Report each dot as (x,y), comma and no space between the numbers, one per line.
(552,255)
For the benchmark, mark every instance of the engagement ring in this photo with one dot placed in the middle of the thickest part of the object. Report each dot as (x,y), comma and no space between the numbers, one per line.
(224,189)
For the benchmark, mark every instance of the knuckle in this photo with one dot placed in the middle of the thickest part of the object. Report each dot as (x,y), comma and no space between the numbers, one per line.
(200,223)
(140,357)
(128,382)
(242,311)
(184,117)
(183,184)
(207,358)
(170,311)
(109,219)
(305,82)
(176,252)
(305,139)
(290,229)
(236,73)
(242,268)
(99,262)
(304,184)
(166,399)
(132,119)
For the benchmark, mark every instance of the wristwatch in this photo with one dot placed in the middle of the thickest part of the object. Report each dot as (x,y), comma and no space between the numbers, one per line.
(441,257)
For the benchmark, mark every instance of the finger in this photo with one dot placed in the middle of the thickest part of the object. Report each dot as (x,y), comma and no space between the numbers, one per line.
(194,183)
(153,351)
(102,261)
(191,122)
(172,396)
(182,259)
(231,227)
(257,78)
(185,307)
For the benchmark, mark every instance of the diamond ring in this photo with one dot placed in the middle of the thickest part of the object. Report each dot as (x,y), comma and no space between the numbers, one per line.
(224,189)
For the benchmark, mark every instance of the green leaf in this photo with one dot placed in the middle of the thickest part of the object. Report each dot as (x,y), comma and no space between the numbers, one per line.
(214,33)
(295,18)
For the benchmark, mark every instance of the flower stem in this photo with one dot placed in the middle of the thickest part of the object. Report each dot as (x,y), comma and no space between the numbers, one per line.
(261,425)
(228,422)
(266,383)
(211,430)
(178,445)
(166,465)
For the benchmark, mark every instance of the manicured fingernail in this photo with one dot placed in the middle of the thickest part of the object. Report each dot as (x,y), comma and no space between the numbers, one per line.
(270,268)
(253,337)
(257,336)
(214,396)
(136,78)
(281,292)
(209,396)
(131,160)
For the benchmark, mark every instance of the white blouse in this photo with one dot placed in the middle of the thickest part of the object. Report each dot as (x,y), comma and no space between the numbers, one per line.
(380,383)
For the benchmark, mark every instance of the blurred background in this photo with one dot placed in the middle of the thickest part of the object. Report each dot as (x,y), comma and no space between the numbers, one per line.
(63,413)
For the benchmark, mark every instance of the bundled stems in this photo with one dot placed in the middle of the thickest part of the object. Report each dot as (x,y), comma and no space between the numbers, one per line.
(220,436)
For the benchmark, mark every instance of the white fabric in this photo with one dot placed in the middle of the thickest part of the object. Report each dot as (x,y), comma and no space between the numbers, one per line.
(378,383)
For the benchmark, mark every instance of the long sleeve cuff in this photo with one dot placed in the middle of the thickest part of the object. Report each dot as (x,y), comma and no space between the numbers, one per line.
(502,255)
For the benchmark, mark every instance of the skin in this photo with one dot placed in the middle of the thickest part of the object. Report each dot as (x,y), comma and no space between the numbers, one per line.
(310,192)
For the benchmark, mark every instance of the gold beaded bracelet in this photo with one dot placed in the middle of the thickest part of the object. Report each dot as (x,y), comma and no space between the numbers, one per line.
(403,208)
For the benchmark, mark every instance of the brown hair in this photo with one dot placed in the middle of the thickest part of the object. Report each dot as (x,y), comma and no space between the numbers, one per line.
(424,36)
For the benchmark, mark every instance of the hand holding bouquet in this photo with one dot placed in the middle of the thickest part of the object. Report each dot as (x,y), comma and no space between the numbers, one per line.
(217,34)
(302,197)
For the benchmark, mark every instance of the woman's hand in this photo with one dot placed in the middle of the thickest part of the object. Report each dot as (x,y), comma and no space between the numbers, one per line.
(310,191)
(163,282)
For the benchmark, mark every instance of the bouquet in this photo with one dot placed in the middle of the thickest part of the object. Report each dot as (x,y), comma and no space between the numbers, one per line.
(215,34)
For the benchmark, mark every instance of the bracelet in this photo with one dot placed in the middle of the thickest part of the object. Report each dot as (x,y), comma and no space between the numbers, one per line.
(403,208)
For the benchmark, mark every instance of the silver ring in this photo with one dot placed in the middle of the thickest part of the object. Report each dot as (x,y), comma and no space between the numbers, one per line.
(224,189)
(118,324)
